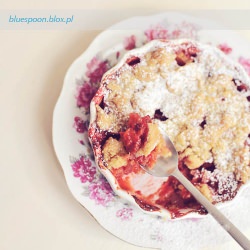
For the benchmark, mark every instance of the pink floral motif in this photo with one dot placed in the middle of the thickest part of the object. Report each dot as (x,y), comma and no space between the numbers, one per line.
(157,32)
(117,54)
(95,70)
(176,33)
(129,42)
(85,94)
(125,213)
(225,48)
(81,142)
(245,62)
(84,169)
(101,192)
(80,125)
(184,30)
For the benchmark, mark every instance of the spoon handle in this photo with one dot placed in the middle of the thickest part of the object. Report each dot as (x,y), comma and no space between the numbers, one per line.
(221,219)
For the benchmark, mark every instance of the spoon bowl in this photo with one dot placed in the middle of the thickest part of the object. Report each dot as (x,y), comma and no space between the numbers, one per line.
(168,166)
(165,166)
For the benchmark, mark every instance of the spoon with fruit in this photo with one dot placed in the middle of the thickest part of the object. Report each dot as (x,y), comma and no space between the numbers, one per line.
(166,166)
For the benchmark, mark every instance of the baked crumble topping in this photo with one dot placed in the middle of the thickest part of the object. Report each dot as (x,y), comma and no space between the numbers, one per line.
(193,93)
(141,142)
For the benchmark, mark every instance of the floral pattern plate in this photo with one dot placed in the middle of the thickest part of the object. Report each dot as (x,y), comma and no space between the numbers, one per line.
(70,125)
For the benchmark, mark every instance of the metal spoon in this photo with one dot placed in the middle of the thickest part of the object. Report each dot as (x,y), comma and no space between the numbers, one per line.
(165,167)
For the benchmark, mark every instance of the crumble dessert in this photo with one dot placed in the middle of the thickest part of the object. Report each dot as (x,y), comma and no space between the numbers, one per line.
(194,94)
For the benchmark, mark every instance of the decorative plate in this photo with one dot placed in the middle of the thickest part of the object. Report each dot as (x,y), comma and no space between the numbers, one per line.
(70,125)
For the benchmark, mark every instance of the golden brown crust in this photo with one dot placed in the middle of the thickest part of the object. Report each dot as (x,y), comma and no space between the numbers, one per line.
(211,119)
(114,153)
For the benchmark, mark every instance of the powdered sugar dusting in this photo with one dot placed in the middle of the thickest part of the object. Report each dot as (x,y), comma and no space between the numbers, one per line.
(154,93)
(224,183)
(189,92)
(196,87)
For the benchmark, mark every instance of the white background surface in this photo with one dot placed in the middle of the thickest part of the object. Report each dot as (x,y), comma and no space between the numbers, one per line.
(37,210)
